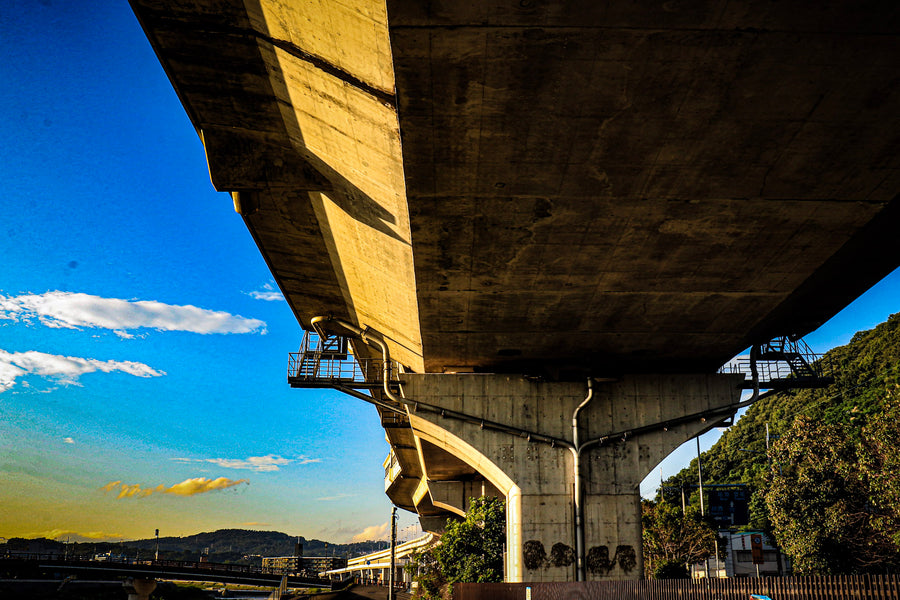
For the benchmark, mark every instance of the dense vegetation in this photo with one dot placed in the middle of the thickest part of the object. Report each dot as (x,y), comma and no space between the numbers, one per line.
(225,546)
(673,539)
(469,550)
(826,489)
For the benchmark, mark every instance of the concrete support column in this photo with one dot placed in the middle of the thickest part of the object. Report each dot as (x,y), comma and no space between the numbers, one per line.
(139,589)
(641,419)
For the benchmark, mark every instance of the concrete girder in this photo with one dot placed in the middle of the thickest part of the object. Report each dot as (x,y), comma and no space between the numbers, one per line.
(454,495)
(295,105)
(581,188)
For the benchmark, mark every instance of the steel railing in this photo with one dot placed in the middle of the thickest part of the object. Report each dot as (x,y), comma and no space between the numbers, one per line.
(322,362)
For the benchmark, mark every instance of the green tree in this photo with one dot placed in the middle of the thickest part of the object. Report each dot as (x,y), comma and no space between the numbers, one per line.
(672,540)
(834,501)
(470,550)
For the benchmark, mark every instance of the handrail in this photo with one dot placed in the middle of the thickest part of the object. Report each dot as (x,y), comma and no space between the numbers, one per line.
(784,363)
(312,363)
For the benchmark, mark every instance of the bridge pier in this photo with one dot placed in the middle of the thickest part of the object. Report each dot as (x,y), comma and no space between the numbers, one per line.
(139,589)
(626,429)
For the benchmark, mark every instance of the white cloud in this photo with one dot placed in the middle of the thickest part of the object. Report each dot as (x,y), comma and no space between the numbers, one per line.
(374,532)
(335,497)
(68,440)
(63,369)
(260,464)
(268,293)
(69,310)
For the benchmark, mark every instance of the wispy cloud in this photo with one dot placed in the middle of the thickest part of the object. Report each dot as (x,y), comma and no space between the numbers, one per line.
(188,487)
(111,486)
(68,440)
(255,524)
(63,369)
(268,293)
(73,311)
(374,532)
(75,536)
(335,497)
(260,464)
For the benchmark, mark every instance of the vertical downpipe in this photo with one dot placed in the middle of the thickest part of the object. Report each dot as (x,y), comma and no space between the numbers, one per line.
(579,492)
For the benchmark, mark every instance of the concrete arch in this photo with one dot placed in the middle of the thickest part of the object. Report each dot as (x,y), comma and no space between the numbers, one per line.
(440,437)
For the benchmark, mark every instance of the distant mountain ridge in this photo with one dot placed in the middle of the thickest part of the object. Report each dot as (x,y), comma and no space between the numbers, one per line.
(224,545)
(252,542)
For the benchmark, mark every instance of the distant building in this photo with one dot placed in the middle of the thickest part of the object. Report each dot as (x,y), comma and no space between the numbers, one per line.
(110,557)
(319,564)
(739,559)
(281,564)
(309,565)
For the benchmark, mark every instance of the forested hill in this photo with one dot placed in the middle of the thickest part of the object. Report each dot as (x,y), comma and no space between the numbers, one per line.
(867,373)
(244,541)
(224,545)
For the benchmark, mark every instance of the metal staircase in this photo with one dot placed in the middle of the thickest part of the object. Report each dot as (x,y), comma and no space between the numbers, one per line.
(785,362)
(793,353)
(328,362)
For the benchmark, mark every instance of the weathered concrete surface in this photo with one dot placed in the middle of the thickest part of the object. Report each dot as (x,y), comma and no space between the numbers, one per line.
(574,187)
(294,103)
(537,478)
(647,185)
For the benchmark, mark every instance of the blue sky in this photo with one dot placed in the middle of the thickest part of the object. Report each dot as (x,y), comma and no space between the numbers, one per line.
(111,223)
(142,349)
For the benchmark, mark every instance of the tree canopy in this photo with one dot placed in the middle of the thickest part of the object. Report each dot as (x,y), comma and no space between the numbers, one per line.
(673,539)
(469,550)
(833,503)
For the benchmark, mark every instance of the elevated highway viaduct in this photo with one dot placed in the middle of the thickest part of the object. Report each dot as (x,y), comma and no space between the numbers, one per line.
(514,196)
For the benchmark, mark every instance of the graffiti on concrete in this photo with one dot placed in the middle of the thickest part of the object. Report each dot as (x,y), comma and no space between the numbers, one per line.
(533,555)
(627,558)
(599,562)
(561,555)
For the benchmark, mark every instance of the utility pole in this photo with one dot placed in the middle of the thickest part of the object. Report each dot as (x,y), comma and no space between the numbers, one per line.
(393,552)
(157,546)
(702,505)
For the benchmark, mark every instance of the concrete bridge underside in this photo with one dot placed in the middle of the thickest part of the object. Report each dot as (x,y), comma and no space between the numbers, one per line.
(632,191)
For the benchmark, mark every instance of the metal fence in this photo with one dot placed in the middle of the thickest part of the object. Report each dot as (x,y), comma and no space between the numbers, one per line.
(851,587)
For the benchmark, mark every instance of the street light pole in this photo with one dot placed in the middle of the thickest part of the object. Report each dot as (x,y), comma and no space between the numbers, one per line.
(391,594)
(157,546)
(702,506)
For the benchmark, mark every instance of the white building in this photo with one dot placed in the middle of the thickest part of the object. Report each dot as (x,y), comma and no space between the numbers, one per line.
(739,559)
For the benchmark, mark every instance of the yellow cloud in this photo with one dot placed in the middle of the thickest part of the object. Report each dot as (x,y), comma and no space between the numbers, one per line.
(200,485)
(188,487)
(373,532)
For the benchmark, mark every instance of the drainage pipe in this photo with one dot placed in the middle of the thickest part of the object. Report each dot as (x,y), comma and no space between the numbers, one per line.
(579,492)
(370,337)
(366,336)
